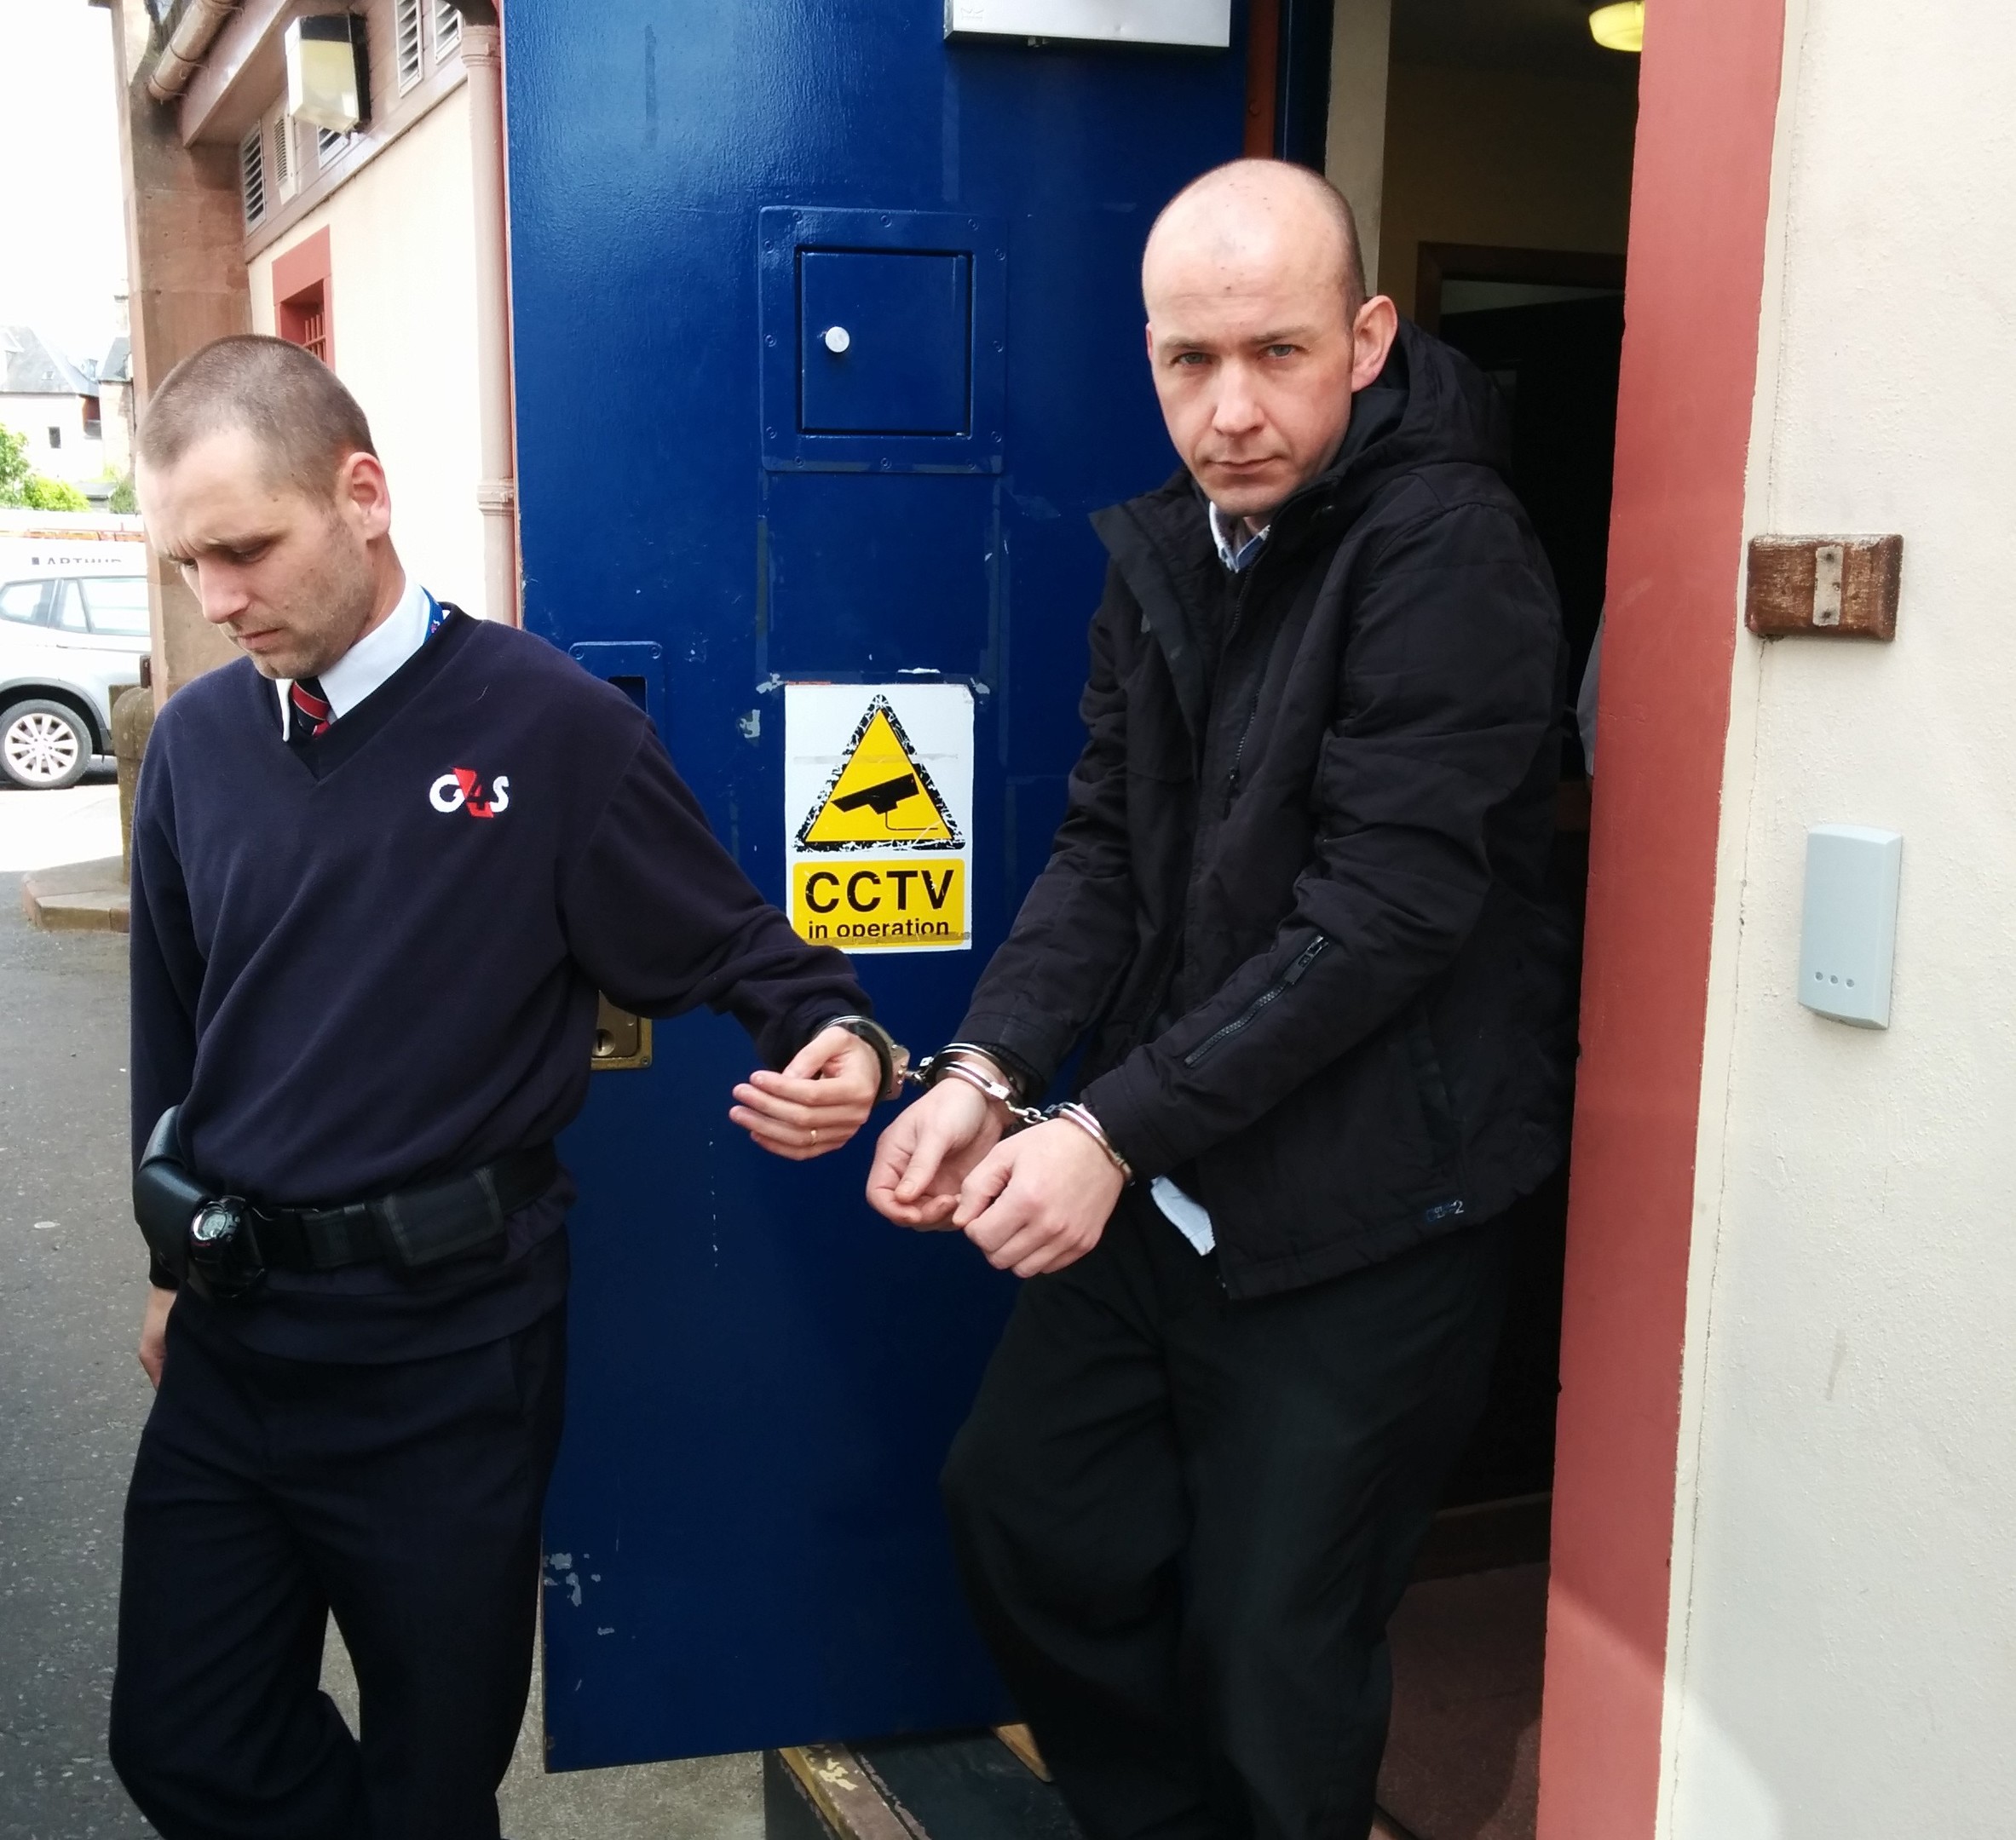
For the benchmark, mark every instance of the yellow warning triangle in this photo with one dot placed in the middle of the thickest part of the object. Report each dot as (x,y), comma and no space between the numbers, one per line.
(881,796)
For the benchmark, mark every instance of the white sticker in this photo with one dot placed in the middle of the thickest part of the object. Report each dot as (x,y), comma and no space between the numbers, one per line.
(879,815)
(1177,22)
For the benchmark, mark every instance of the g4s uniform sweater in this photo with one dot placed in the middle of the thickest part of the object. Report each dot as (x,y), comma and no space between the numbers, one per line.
(374,965)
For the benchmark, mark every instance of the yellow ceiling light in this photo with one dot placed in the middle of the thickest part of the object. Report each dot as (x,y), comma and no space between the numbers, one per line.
(1621,27)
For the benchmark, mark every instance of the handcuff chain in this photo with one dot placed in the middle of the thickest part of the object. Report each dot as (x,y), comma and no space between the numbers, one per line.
(932,1068)
(935,1067)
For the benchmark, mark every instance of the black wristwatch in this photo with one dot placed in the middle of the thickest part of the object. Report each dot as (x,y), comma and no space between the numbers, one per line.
(224,1256)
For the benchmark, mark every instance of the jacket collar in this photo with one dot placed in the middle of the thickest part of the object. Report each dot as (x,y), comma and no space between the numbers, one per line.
(1161,545)
(1429,404)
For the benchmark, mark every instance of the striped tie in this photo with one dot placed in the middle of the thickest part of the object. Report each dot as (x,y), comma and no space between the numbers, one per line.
(312,713)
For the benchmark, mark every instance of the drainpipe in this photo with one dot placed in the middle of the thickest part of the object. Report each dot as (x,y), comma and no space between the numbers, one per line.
(497,493)
(181,57)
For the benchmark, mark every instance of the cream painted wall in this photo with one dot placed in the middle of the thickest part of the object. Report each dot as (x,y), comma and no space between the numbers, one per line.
(1355,145)
(1844,1649)
(79,457)
(402,288)
(1506,157)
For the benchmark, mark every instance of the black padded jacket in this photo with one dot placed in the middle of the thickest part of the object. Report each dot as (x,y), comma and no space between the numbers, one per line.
(1297,908)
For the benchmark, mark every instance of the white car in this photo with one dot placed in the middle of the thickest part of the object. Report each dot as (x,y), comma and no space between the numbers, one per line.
(67,641)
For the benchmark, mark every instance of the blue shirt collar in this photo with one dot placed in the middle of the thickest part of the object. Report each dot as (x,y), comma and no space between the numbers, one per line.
(1234,549)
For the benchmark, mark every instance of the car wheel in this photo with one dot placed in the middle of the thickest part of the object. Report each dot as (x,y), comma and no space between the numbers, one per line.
(44,745)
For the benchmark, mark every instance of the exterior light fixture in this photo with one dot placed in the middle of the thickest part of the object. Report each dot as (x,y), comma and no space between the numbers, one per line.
(1621,27)
(326,86)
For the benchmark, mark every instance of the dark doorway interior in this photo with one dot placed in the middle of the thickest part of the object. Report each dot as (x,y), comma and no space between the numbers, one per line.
(1463,1760)
(1548,332)
(1506,201)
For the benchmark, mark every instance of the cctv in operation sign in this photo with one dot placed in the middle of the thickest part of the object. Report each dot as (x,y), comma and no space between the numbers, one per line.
(878,814)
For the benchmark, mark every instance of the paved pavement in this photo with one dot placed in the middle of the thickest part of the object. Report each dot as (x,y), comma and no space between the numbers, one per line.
(80,824)
(72,1400)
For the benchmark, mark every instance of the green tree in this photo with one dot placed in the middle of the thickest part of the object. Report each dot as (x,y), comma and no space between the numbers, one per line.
(124,500)
(14,467)
(47,494)
(36,491)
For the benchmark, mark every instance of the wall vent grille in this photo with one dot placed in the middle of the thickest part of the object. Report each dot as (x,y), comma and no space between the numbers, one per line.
(251,172)
(406,32)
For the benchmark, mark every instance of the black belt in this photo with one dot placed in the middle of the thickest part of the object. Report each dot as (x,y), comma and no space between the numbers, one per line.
(414,1227)
(228,1243)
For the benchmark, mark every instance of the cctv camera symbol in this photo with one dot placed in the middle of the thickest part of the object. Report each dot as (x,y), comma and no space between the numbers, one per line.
(882,799)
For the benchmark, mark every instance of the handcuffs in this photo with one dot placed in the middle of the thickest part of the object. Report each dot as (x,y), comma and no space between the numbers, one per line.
(958,1060)
(968,1062)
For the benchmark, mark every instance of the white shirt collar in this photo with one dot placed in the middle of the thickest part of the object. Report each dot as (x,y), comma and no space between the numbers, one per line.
(1234,548)
(366,665)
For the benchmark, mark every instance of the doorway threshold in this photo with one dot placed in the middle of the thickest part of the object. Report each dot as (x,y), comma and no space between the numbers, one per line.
(1462,1758)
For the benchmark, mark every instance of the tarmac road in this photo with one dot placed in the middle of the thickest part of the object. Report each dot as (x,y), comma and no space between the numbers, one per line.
(71,1396)
(72,1400)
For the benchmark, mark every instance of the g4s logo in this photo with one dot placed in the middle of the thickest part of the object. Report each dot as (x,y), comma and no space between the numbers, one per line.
(461,789)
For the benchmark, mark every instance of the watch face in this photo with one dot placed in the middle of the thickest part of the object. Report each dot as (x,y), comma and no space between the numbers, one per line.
(214,1225)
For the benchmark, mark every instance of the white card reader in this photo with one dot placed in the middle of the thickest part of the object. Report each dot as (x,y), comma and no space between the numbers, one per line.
(1849,934)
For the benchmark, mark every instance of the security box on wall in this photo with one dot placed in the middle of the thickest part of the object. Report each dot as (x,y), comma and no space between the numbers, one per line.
(1849,934)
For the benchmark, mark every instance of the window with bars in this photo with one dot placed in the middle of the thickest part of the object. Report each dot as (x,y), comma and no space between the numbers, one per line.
(447,28)
(405,43)
(251,176)
(305,322)
(302,318)
(330,145)
(302,303)
(283,152)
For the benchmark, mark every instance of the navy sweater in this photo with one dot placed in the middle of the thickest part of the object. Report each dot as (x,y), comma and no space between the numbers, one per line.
(377,966)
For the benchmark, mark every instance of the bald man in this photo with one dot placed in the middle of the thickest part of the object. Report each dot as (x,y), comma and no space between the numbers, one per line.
(1295,916)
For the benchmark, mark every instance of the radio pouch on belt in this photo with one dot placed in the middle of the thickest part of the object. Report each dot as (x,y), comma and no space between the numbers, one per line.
(166,1196)
(450,1219)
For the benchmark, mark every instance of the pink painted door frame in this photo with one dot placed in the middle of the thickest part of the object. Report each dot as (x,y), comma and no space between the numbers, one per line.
(1708,94)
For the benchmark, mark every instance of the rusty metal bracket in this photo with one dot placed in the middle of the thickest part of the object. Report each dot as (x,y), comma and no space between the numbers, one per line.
(1832,587)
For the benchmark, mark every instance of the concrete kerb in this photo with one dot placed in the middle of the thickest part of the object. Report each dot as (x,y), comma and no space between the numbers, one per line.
(88,897)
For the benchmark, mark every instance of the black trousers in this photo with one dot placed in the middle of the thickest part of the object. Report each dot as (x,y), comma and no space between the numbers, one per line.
(1183,1522)
(406,1499)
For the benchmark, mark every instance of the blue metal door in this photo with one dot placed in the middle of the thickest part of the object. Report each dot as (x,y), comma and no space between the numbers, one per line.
(828,338)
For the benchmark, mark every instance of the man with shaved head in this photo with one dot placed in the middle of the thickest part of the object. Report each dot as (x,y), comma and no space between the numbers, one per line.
(1295,920)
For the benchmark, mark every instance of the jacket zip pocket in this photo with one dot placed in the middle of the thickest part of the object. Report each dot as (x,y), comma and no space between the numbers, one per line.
(1307,955)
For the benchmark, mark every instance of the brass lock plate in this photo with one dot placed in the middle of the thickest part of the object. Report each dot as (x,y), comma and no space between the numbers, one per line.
(622,1040)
